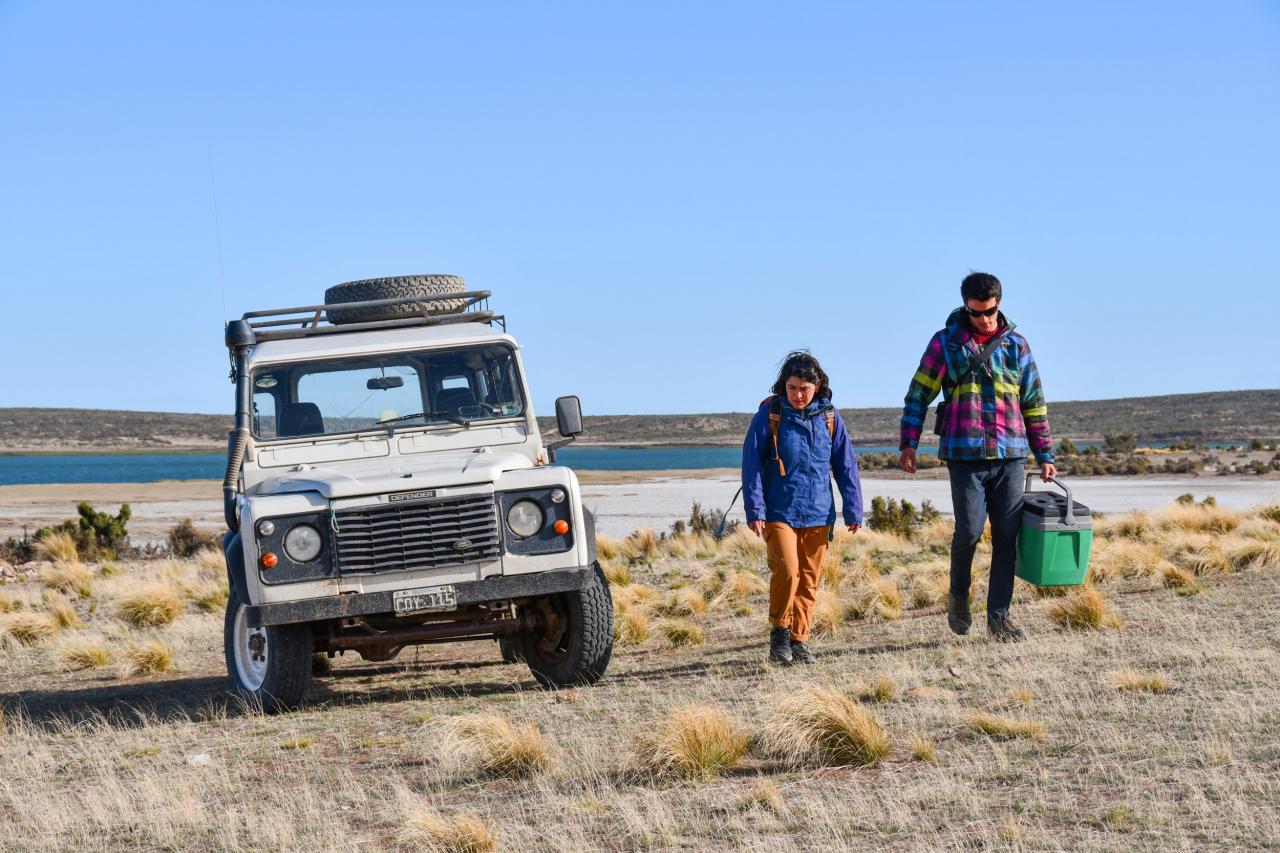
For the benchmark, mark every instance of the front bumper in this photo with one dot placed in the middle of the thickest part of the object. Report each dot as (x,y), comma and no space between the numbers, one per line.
(370,603)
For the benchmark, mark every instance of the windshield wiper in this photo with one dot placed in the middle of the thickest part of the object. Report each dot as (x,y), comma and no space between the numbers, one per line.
(442,415)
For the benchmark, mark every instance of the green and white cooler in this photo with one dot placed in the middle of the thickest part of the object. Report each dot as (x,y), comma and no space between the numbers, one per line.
(1054,543)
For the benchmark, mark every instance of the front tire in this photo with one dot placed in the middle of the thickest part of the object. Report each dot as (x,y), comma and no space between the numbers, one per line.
(269,667)
(570,639)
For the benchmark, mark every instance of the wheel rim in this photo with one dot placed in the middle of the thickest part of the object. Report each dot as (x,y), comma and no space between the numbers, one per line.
(552,640)
(250,667)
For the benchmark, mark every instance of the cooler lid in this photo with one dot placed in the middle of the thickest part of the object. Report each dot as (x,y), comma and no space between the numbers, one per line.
(1053,506)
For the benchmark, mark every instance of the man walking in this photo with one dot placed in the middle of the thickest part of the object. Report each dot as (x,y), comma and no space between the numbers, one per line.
(992,414)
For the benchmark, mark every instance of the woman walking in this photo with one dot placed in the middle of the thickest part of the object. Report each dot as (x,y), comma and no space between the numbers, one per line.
(796,442)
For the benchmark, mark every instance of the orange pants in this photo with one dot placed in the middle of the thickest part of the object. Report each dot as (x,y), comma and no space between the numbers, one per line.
(795,562)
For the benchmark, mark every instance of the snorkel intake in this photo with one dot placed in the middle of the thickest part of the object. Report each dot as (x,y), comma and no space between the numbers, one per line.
(239,338)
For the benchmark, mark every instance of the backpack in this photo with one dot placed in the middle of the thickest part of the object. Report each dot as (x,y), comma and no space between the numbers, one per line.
(775,420)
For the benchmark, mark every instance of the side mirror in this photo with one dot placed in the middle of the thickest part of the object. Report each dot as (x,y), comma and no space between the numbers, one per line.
(569,416)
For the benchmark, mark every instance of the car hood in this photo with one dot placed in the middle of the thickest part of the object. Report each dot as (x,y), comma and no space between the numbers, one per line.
(404,474)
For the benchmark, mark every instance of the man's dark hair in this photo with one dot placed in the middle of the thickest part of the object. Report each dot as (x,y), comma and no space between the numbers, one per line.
(980,286)
(802,365)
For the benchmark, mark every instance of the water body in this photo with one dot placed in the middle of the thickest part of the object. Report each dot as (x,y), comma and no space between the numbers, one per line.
(150,468)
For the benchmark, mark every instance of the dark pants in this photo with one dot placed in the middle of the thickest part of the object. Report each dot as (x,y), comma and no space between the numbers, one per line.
(980,489)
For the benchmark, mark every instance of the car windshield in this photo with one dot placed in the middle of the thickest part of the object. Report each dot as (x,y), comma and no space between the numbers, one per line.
(459,386)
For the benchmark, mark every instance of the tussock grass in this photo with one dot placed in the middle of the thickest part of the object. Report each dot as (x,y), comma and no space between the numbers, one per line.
(9,604)
(641,547)
(1255,555)
(740,585)
(607,548)
(210,597)
(147,658)
(1124,559)
(1178,579)
(1259,528)
(1207,559)
(675,546)
(461,832)
(1198,518)
(492,745)
(694,741)
(828,614)
(686,601)
(296,743)
(58,547)
(766,796)
(67,576)
(61,610)
(1084,608)
(152,606)
(210,563)
(885,689)
(680,632)
(704,546)
(923,749)
(1130,525)
(84,653)
(1270,512)
(629,596)
(30,628)
(880,598)
(631,626)
(819,725)
(744,544)
(935,535)
(1140,682)
(617,574)
(1005,728)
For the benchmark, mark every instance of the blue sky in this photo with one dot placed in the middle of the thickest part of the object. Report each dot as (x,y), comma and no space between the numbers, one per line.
(664,197)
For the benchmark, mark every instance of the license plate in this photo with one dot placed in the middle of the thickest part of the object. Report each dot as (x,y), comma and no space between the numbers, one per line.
(428,599)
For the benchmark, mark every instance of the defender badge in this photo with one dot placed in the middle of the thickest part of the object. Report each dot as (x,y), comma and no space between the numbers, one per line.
(410,496)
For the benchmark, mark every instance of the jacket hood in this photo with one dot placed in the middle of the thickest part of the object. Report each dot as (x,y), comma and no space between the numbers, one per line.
(959,329)
(816,406)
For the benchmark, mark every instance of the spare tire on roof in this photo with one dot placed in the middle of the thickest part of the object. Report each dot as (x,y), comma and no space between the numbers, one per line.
(400,287)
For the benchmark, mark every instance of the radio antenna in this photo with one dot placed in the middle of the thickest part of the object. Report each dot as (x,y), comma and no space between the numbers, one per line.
(217,231)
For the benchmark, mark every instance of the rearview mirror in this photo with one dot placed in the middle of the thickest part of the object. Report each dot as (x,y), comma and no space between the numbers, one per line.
(384,383)
(569,416)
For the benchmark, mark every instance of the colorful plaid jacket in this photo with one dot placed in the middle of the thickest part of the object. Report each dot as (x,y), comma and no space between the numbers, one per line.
(995,414)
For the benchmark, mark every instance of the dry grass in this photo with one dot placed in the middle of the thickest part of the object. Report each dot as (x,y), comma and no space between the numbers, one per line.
(1136,525)
(1140,682)
(880,598)
(740,585)
(641,547)
(492,745)
(1206,558)
(1123,559)
(766,796)
(1180,580)
(29,628)
(9,603)
(885,689)
(817,725)
(686,601)
(147,658)
(210,563)
(680,632)
(209,597)
(1005,728)
(1197,518)
(617,574)
(744,544)
(84,653)
(58,547)
(828,614)
(153,606)
(462,832)
(694,741)
(923,749)
(1255,555)
(631,626)
(1084,608)
(61,610)
(71,577)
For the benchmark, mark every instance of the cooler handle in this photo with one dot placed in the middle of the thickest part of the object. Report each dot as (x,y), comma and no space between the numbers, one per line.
(1070,518)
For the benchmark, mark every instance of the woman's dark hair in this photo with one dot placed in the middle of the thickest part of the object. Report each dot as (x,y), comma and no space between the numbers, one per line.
(980,286)
(802,365)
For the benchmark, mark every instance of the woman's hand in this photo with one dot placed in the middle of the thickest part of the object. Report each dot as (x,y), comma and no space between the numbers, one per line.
(853,528)
(757,527)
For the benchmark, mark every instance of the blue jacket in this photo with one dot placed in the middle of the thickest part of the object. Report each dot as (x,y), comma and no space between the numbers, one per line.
(811,455)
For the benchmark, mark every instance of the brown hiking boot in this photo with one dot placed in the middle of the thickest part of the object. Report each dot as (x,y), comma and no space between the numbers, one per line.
(958,617)
(1001,628)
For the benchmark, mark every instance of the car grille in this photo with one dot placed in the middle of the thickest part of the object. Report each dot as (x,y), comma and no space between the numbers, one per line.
(423,535)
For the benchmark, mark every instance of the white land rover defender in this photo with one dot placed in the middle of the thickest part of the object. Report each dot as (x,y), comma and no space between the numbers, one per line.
(387,486)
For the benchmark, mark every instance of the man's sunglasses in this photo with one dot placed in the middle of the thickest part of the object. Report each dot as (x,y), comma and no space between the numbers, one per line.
(990,312)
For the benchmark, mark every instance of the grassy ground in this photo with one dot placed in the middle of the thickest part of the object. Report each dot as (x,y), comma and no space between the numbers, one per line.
(1156,725)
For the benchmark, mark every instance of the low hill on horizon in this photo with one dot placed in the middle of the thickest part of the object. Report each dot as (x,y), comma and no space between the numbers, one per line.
(1210,416)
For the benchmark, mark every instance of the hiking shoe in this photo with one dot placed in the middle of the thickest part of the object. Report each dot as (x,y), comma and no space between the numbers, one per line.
(958,617)
(780,646)
(800,653)
(1001,628)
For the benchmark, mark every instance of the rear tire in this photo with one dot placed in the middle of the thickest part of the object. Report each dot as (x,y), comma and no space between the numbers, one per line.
(269,667)
(511,650)
(400,287)
(573,639)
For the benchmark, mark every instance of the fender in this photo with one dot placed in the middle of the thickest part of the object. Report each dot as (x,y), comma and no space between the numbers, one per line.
(233,551)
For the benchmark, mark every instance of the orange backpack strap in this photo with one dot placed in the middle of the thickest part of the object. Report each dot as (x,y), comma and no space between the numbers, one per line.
(775,419)
(831,422)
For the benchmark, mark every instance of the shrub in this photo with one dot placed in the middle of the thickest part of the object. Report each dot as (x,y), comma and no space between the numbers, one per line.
(147,658)
(818,724)
(1081,609)
(72,577)
(151,607)
(707,521)
(107,533)
(186,541)
(497,747)
(900,519)
(1120,443)
(692,742)
(1005,728)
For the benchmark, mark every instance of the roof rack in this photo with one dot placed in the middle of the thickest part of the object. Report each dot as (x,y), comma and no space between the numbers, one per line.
(278,323)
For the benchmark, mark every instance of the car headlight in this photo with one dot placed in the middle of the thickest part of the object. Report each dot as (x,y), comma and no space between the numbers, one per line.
(525,518)
(303,543)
